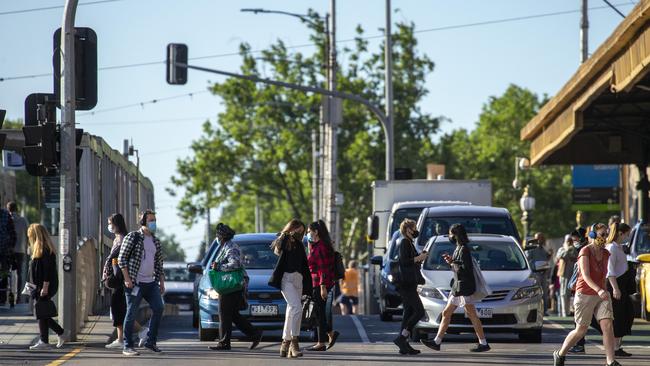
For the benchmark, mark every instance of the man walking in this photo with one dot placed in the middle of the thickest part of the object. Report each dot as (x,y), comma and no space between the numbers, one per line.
(142,265)
(20,249)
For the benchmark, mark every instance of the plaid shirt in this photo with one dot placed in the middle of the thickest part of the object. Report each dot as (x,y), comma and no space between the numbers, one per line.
(321,265)
(131,252)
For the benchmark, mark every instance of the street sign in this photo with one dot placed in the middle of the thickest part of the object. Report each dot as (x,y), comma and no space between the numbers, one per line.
(608,195)
(12,161)
(596,188)
(596,176)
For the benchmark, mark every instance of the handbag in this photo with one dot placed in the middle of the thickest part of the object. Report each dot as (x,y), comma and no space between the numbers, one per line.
(308,313)
(45,309)
(482,288)
(29,289)
(339,267)
(115,280)
(227,282)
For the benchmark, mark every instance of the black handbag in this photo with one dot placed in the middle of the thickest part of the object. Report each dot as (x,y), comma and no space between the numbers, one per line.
(308,313)
(339,267)
(45,309)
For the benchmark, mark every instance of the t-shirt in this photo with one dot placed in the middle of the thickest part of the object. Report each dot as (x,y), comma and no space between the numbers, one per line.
(146,271)
(617,264)
(350,284)
(597,270)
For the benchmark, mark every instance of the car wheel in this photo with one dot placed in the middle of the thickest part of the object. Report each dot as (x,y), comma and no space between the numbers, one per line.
(531,336)
(385,316)
(207,335)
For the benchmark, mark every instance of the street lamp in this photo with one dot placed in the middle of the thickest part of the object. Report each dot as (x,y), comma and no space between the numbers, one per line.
(527,205)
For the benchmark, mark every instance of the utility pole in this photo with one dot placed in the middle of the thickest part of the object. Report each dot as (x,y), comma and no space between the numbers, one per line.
(314,175)
(584,32)
(68,205)
(388,54)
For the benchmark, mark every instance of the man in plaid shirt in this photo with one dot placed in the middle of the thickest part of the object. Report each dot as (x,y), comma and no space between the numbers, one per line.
(142,265)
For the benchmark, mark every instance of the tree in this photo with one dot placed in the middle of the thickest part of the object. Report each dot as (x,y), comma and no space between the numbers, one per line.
(489,152)
(171,248)
(235,161)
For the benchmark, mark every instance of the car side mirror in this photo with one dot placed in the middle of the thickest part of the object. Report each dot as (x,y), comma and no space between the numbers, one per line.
(644,258)
(373,227)
(541,266)
(195,268)
(377,260)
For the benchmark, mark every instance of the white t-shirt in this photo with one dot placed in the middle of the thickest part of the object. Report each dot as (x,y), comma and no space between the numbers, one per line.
(147,265)
(617,264)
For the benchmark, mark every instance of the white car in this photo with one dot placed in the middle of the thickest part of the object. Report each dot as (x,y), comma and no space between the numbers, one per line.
(515,305)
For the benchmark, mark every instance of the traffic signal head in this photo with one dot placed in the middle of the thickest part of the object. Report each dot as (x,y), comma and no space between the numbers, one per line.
(40,150)
(85,67)
(176,63)
(3,137)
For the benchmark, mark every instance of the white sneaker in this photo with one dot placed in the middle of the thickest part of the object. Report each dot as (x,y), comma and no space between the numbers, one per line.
(115,344)
(60,341)
(40,345)
(142,334)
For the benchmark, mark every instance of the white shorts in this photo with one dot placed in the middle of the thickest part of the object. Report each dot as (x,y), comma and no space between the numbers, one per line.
(460,301)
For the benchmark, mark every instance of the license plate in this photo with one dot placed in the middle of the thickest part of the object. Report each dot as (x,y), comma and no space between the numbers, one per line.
(483,313)
(264,310)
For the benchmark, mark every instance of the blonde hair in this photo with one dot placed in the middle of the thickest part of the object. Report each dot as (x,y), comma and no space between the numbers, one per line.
(406,224)
(39,239)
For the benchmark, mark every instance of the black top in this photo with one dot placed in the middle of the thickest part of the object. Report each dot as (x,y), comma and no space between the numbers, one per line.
(44,270)
(295,259)
(291,261)
(464,281)
(410,275)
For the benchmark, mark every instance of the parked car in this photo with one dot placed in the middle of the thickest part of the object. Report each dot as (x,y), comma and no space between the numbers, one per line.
(198,268)
(179,284)
(434,222)
(515,304)
(639,258)
(266,306)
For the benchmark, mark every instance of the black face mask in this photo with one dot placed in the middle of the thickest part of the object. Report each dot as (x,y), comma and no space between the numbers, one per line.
(453,240)
(415,234)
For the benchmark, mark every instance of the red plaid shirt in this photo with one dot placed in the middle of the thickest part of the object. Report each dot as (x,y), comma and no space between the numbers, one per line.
(321,265)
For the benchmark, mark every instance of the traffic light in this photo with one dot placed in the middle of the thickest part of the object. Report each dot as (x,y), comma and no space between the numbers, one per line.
(176,53)
(3,137)
(85,68)
(40,134)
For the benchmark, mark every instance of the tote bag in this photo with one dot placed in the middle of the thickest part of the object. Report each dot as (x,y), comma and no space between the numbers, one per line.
(482,288)
(227,282)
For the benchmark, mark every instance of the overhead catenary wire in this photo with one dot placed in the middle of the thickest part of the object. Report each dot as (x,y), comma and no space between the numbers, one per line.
(23,11)
(142,104)
(614,8)
(428,30)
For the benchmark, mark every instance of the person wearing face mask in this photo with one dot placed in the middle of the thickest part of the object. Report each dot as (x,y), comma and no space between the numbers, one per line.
(407,284)
(141,262)
(291,275)
(461,291)
(566,258)
(617,270)
(592,298)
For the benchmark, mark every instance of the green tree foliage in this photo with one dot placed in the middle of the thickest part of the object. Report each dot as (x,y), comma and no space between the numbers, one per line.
(235,161)
(171,248)
(489,152)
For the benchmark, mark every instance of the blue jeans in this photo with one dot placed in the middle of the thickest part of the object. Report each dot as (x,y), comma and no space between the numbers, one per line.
(150,292)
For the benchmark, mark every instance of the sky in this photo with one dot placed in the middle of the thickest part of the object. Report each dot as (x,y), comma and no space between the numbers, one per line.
(476,56)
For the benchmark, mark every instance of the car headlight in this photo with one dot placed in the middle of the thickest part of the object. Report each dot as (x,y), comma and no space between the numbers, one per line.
(211,294)
(430,292)
(527,293)
(390,278)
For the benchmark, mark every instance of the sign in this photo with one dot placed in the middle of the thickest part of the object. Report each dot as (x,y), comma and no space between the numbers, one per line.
(596,176)
(596,195)
(596,188)
(12,161)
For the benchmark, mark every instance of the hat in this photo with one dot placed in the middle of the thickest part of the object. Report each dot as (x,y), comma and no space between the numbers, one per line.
(225,231)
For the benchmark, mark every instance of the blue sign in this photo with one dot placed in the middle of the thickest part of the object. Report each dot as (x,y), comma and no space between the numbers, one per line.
(596,176)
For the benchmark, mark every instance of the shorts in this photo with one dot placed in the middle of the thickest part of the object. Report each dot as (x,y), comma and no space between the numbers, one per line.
(460,301)
(588,306)
(349,300)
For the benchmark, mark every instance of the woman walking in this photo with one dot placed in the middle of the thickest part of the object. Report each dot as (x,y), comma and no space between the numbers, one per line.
(617,275)
(44,275)
(291,276)
(463,288)
(592,298)
(229,259)
(117,227)
(408,280)
(321,266)
(566,258)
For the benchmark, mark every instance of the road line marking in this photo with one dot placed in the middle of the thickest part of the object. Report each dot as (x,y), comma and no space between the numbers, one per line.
(65,357)
(360,329)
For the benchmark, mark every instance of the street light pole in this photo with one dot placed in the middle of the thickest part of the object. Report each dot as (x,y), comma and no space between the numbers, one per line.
(68,204)
(334,110)
(388,54)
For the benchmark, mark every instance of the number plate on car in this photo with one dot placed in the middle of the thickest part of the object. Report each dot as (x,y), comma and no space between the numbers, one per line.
(483,313)
(264,310)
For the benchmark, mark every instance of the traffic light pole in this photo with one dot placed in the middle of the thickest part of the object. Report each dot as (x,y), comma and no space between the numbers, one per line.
(68,223)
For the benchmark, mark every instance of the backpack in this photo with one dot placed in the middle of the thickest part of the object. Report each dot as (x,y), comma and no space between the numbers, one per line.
(339,267)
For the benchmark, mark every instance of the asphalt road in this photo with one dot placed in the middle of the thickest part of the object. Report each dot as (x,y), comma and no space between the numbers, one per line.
(364,341)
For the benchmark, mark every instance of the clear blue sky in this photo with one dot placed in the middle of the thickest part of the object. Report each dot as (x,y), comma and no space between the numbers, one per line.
(472,63)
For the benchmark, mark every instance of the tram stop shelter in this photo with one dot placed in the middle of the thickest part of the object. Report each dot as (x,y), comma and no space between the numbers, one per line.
(602,114)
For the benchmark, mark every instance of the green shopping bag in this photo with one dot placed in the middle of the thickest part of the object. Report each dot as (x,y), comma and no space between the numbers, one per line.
(227,282)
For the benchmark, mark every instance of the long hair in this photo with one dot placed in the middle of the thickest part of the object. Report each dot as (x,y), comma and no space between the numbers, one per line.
(118,223)
(39,241)
(616,230)
(324,234)
(287,234)
(405,225)
(459,232)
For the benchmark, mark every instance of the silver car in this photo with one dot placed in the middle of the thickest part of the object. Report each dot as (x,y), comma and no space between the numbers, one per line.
(515,305)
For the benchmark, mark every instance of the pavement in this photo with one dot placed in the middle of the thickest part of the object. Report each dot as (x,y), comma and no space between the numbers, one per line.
(365,340)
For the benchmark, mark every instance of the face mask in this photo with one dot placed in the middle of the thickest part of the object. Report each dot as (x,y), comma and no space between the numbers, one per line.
(309,238)
(415,234)
(453,240)
(599,241)
(151,226)
(110,229)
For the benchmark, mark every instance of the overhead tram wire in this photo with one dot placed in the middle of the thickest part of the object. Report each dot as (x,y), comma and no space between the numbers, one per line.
(428,30)
(142,104)
(23,11)
(614,8)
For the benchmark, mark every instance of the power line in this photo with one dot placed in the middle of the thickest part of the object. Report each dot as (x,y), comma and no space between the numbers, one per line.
(11,12)
(429,30)
(142,104)
(141,122)
(614,7)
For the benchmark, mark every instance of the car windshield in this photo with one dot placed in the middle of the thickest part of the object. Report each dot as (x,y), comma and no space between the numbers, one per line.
(256,255)
(491,256)
(178,274)
(404,213)
(499,225)
(643,240)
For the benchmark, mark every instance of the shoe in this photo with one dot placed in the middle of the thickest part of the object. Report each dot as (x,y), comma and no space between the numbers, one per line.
(130,352)
(60,341)
(316,348)
(294,348)
(480,348)
(220,347)
(115,344)
(257,338)
(40,345)
(152,348)
(142,334)
(431,344)
(557,359)
(284,348)
(411,350)
(335,336)
(615,363)
(620,353)
(577,349)
(402,344)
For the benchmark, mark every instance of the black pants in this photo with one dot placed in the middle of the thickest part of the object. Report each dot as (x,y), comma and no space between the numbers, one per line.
(118,307)
(413,308)
(44,326)
(320,307)
(229,306)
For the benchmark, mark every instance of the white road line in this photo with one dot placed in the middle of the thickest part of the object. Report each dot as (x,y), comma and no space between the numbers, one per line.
(360,329)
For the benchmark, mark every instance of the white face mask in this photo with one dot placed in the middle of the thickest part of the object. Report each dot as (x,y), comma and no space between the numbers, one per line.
(110,229)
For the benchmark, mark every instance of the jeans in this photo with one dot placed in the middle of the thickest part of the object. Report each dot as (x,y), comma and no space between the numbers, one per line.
(44,326)
(229,306)
(292,292)
(150,292)
(565,297)
(413,308)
